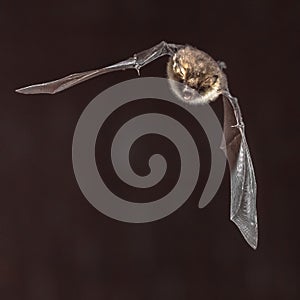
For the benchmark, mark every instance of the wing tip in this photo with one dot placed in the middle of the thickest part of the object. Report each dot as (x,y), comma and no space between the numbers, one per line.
(248,229)
(23,91)
(35,89)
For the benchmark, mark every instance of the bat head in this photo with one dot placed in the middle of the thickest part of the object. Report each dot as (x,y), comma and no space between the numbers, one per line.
(194,76)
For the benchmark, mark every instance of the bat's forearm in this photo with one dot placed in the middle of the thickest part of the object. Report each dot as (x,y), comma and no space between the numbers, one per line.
(136,62)
(236,109)
(147,56)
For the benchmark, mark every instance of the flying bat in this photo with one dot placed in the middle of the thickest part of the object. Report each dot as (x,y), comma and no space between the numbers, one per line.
(196,78)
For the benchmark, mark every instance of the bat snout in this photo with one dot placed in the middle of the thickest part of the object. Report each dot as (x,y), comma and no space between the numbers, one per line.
(188,93)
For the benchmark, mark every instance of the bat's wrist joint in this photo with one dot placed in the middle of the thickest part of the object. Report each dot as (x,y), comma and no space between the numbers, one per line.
(240,125)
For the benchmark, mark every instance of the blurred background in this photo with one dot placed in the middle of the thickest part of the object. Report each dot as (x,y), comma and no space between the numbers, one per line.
(54,244)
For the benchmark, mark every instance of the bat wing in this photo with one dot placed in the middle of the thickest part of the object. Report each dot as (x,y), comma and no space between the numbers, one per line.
(55,86)
(136,62)
(243,184)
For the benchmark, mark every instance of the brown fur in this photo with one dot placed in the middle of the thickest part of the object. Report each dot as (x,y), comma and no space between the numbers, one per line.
(199,71)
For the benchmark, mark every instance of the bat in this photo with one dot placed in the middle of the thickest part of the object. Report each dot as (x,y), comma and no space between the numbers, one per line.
(202,80)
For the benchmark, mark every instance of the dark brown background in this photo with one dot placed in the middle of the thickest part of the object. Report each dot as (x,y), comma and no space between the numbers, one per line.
(54,244)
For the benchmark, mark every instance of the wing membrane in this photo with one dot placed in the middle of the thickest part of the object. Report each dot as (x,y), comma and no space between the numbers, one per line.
(55,86)
(243,184)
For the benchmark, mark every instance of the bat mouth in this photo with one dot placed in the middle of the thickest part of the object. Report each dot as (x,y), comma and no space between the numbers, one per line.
(188,94)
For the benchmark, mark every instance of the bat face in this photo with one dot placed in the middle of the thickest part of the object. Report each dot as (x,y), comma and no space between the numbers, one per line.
(202,78)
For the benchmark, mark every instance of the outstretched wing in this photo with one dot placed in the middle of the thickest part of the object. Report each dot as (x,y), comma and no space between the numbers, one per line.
(136,62)
(55,86)
(243,184)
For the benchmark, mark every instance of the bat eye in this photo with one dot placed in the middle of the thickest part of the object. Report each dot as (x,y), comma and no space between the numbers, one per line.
(215,78)
(209,81)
